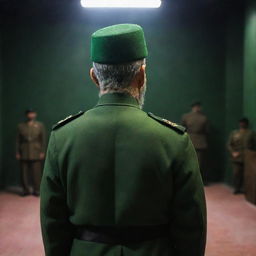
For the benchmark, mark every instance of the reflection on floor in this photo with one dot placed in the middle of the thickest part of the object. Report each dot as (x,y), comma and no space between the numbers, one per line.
(231,231)
(19,226)
(231,223)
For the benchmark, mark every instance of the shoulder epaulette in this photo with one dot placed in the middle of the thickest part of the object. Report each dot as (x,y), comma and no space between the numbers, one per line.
(174,126)
(67,120)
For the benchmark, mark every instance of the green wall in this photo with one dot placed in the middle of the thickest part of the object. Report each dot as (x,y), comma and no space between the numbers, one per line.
(1,112)
(234,78)
(46,67)
(250,63)
(240,99)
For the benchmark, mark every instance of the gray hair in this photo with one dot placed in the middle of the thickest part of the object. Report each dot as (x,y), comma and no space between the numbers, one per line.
(116,77)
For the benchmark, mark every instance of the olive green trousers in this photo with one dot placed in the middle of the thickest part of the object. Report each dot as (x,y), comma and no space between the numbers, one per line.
(31,173)
(238,180)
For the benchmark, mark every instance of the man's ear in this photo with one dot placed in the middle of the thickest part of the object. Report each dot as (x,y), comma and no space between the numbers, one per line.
(94,78)
(140,77)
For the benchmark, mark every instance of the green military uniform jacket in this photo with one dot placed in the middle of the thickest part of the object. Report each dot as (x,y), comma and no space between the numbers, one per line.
(31,140)
(239,141)
(197,127)
(116,165)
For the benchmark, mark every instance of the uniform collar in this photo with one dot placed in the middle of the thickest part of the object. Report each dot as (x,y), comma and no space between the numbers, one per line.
(118,99)
(27,121)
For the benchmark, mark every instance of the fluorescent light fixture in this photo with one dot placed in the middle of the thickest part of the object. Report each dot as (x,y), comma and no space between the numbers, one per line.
(121,3)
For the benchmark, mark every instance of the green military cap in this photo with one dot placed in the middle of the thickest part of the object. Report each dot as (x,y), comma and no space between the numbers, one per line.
(118,44)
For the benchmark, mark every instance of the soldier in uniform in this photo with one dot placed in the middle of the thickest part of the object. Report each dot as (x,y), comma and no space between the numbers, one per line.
(30,151)
(197,126)
(119,181)
(240,140)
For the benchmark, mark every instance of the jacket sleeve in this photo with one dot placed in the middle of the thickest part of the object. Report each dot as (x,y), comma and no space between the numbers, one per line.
(18,140)
(230,143)
(57,231)
(188,220)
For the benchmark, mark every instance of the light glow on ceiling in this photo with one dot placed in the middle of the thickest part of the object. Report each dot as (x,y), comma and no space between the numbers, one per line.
(121,3)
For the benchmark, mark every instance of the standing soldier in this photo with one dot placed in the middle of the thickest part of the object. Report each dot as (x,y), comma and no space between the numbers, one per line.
(197,126)
(30,151)
(239,141)
(119,181)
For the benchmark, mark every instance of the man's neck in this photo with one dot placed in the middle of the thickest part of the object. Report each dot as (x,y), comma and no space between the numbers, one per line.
(129,91)
(31,121)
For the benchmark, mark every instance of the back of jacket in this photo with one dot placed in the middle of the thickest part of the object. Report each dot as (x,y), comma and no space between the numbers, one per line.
(117,166)
(197,126)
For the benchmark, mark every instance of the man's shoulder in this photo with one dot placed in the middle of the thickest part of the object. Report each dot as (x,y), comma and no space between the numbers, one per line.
(187,115)
(250,134)
(67,120)
(22,124)
(234,133)
(39,124)
(203,115)
(176,127)
(250,131)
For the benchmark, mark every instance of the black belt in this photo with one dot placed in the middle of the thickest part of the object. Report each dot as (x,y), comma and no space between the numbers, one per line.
(121,235)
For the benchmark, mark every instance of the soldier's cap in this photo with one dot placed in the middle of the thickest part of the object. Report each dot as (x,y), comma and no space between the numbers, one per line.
(196,103)
(117,44)
(30,110)
(244,120)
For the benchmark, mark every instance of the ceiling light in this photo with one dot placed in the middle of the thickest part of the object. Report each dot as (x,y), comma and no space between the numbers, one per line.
(121,3)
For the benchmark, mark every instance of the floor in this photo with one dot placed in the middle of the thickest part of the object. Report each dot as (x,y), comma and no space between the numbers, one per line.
(231,224)
(19,226)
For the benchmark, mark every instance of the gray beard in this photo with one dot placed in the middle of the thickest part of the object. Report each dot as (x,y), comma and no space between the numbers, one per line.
(141,97)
